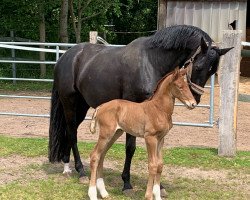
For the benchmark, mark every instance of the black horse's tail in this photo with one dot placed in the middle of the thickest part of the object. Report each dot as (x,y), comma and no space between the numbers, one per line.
(57,129)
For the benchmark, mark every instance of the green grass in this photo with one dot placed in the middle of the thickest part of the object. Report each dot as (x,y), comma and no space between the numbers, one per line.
(205,158)
(25,86)
(56,186)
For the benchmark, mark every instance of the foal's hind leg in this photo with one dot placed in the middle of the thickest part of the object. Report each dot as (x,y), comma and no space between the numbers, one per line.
(100,183)
(106,138)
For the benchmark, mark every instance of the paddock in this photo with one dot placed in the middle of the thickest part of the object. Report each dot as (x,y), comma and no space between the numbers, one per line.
(192,136)
(178,179)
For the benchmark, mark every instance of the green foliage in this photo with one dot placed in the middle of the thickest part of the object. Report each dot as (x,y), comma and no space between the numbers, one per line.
(135,16)
(23,17)
(126,15)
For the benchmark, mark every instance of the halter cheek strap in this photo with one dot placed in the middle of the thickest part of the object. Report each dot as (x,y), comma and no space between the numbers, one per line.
(189,65)
(196,88)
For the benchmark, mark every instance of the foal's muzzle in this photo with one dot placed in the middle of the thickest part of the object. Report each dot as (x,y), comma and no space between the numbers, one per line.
(191,104)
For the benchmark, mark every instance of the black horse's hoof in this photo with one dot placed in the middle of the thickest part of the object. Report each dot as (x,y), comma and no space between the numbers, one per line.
(128,192)
(84,180)
(67,174)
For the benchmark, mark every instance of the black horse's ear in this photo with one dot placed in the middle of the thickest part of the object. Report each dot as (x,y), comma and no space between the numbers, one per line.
(224,51)
(204,46)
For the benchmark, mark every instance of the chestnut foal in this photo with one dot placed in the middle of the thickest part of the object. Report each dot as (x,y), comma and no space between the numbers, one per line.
(151,119)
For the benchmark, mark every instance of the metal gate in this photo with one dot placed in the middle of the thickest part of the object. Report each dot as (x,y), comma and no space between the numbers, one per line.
(57,51)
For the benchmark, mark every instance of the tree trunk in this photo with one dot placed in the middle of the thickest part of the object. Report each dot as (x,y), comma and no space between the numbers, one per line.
(63,29)
(42,39)
(78,33)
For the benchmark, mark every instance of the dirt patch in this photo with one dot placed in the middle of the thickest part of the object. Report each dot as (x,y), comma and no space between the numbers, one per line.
(178,136)
(20,168)
(24,169)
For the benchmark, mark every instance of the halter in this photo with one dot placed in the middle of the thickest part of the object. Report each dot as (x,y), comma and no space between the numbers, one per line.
(189,65)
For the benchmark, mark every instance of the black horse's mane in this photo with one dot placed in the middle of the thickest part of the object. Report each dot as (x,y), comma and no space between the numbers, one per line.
(178,37)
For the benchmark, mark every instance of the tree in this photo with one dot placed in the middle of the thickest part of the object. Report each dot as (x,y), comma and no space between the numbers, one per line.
(139,17)
(83,10)
(42,31)
(63,26)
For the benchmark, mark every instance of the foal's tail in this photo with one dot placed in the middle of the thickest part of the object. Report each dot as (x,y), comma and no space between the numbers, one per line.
(93,122)
(57,129)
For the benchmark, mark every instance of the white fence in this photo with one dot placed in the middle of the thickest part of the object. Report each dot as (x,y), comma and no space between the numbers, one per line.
(25,46)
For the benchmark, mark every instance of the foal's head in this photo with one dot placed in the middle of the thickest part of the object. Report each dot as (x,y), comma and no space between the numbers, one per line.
(180,88)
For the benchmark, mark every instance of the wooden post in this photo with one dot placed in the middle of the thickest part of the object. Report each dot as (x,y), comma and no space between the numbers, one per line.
(229,83)
(93,37)
(162,14)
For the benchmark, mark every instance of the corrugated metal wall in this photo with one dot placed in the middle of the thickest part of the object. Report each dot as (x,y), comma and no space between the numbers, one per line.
(212,17)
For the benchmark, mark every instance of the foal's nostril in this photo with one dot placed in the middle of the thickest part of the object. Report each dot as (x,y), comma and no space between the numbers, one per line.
(193,105)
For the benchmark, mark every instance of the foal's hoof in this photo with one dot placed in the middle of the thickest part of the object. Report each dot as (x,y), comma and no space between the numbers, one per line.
(128,192)
(84,180)
(163,192)
(67,173)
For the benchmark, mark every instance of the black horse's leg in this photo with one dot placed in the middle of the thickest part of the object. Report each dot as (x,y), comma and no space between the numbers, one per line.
(81,111)
(130,150)
(74,115)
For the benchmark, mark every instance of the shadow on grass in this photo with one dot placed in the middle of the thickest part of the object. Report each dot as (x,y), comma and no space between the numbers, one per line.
(112,178)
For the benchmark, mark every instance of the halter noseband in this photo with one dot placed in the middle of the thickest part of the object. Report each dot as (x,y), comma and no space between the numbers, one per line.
(189,65)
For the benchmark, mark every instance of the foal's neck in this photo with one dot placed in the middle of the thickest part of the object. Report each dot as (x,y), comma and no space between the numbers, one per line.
(163,96)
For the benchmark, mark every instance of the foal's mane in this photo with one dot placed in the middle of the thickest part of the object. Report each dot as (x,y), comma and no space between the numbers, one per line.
(160,82)
(178,37)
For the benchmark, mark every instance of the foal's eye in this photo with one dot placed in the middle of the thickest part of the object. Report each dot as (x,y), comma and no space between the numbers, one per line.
(180,88)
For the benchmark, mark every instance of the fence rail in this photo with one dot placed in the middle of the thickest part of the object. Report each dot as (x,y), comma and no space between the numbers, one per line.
(15,45)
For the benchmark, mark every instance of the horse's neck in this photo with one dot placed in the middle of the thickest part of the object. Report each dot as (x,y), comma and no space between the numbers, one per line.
(166,60)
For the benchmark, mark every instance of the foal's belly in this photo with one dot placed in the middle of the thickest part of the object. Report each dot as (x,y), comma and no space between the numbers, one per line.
(136,122)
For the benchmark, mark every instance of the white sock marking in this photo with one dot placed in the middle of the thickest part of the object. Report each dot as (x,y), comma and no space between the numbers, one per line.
(66,168)
(157,192)
(101,187)
(92,193)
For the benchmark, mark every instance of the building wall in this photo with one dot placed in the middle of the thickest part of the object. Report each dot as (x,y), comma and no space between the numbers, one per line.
(212,17)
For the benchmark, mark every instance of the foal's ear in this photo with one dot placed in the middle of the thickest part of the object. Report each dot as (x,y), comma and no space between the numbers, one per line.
(176,73)
(204,46)
(183,71)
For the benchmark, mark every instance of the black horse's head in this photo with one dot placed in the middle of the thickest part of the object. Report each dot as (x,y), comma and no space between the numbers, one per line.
(205,64)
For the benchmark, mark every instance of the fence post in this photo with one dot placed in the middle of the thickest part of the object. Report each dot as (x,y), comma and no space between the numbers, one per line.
(93,37)
(13,55)
(229,83)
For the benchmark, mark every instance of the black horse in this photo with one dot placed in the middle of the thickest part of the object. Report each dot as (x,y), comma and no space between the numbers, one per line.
(88,75)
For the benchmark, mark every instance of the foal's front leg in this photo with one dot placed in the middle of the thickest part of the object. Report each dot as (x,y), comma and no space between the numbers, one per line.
(156,188)
(151,143)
